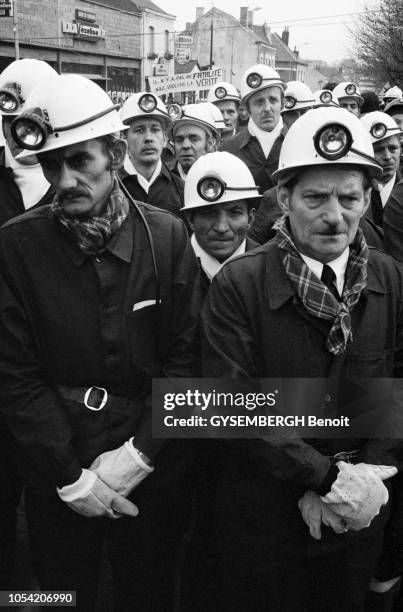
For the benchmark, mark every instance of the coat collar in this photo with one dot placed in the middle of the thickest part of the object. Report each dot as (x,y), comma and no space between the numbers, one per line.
(279,288)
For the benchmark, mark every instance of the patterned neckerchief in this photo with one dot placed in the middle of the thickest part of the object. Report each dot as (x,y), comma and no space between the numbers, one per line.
(315,296)
(93,233)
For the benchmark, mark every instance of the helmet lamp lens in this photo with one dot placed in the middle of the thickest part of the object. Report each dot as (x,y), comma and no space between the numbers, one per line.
(147,103)
(28,133)
(8,101)
(175,111)
(326,97)
(333,141)
(289,102)
(378,130)
(210,188)
(254,80)
(220,92)
(351,89)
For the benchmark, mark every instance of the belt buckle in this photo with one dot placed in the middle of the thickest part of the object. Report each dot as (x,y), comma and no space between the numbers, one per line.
(103,402)
(346,455)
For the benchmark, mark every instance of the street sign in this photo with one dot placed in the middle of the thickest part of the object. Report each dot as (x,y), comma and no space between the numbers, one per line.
(184,39)
(183,55)
(6,8)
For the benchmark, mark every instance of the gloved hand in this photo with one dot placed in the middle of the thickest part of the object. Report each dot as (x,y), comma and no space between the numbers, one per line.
(315,512)
(121,469)
(358,492)
(89,496)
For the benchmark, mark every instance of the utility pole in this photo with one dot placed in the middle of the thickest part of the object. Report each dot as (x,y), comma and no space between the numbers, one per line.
(15,30)
(211,39)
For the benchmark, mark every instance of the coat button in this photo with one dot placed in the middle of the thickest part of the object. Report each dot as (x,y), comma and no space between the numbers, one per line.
(328,398)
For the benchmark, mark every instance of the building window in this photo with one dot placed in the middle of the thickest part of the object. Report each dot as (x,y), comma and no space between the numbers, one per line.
(151,42)
(166,41)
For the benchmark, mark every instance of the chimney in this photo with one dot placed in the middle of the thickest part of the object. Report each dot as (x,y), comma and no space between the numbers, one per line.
(243,18)
(296,52)
(250,20)
(267,31)
(199,12)
(188,27)
(285,37)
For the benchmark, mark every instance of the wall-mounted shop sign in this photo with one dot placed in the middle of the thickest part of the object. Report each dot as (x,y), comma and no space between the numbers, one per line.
(193,81)
(84,27)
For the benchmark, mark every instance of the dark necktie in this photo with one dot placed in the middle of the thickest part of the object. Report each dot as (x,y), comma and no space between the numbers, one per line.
(328,278)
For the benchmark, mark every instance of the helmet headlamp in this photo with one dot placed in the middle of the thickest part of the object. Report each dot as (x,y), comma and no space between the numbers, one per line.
(333,141)
(326,97)
(289,102)
(254,80)
(378,130)
(175,111)
(10,98)
(148,103)
(350,89)
(220,92)
(212,188)
(31,129)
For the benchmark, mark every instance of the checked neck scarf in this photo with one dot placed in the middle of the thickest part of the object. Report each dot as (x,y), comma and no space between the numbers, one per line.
(315,296)
(93,233)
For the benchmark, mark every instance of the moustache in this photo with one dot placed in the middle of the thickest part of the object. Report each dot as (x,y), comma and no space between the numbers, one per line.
(71,194)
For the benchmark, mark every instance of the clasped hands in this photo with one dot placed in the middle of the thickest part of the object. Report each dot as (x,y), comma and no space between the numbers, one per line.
(102,489)
(354,500)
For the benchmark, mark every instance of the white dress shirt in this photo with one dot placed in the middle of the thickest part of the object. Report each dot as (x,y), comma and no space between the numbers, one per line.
(338,265)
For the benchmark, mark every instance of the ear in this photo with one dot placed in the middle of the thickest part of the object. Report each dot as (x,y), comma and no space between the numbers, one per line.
(283,199)
(211,144)
(251,217)
(118,154)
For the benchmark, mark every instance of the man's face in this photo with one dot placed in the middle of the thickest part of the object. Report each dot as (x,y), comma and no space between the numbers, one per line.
(265,106)
(243,112)
(291,116)
(229,113)
(146,139)
(324,209)
(398,117)
(387,154)
(81,176)
(190,143)
(351,105)
(221,228)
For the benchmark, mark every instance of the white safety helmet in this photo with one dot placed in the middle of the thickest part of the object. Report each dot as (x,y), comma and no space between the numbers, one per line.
(326,136)
(297,96)
(223,91)
(393,92)
(259,77)
(18,80)
(380,125)
(324,97)
(217,178)
(195,114)
(348,90)
(62,111)
(144,104)
(216,115)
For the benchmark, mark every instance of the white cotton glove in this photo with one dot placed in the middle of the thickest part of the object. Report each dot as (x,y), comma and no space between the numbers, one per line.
(89,496)
(315,512)
(358,492)
(121,469)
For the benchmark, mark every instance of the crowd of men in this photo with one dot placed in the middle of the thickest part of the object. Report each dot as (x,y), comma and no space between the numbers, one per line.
(256,235)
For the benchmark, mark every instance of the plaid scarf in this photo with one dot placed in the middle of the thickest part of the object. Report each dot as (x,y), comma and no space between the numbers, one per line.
(93,233)
(315,296)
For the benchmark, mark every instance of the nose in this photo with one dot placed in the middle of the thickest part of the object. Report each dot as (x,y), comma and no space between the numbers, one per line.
(267,105)
(221,222)
(67,179)
(148,135)
(333,211)
(186,143)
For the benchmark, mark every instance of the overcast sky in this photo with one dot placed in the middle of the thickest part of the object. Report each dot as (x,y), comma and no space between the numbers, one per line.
(325,38)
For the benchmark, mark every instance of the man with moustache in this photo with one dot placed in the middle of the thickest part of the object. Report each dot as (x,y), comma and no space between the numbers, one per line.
(226,97)
(262,90)
(144,174)
(99,295)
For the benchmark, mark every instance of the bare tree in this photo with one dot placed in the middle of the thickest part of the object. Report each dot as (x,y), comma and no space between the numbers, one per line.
(378,38)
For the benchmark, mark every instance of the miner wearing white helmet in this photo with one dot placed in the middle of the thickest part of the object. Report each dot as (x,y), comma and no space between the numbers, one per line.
(99,295)
(220,203)
(226,97)
(144,173)
(22,183)
(393,93)
(385,135)
(298,98)
(262,90)
(349,97)
(324,97)
(395,110)
(22,186)
(194,133)
(301,512)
